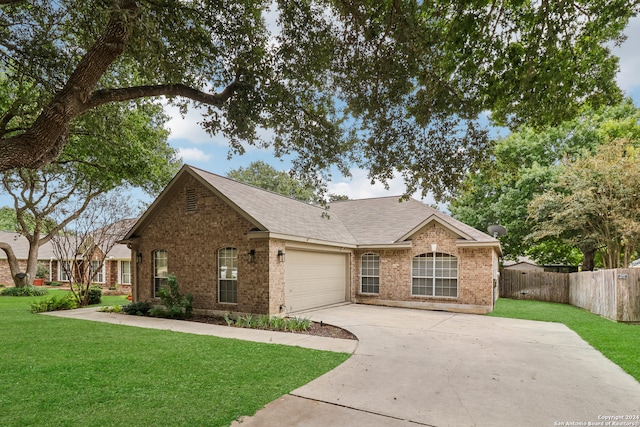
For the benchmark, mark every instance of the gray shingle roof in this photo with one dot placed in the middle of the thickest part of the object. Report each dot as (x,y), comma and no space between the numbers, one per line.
(20,244)
(279,214)
(378,221)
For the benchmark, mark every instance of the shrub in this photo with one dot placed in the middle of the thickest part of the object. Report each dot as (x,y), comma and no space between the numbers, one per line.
(140,308)
(246,321)
(298,324)
(265,322)
(55,284)
(55,303)
(229,319)
(114,309)
(25,291)
(174,304)
(95,295)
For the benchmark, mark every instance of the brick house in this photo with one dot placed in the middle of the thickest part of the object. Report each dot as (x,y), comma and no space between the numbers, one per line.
(241,249)
(115,270)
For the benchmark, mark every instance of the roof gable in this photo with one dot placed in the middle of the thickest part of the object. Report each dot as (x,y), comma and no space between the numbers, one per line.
(267,211)
(378,221)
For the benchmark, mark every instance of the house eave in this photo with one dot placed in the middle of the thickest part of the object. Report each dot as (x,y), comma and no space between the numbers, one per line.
(440,221)
(299,239)
(396,245)
(475,244)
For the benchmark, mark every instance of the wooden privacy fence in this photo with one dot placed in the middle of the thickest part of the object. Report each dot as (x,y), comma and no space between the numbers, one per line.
(535,285)
(614,294)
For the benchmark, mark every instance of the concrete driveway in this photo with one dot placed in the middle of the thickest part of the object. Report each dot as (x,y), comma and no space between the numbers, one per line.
(415,367)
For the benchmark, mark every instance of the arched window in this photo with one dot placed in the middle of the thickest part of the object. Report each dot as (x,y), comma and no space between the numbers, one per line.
(228,275)
(434,275)
(160,270)
(370,274)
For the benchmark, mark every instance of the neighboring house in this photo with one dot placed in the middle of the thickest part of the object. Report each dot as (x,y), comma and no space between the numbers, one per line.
(522,264)
(116,269)
(527,264)
(241,249)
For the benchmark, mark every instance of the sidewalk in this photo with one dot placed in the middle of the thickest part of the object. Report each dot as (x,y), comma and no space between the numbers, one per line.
(270,337)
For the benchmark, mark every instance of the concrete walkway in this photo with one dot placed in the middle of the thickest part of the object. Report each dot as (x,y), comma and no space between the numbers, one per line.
(415,367)
(285,338)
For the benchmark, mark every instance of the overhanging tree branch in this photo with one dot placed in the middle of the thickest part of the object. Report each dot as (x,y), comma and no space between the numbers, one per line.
(105,96)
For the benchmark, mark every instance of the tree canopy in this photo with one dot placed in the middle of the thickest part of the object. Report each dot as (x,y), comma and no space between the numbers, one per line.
(96,160)
(262,175)
(390,86)
(595,203)
(527,163)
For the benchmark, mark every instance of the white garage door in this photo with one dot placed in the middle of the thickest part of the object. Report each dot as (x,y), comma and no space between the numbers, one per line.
(314,279)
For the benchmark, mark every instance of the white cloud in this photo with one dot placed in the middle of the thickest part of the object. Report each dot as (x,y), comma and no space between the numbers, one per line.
(359,187)
(193,155)
(187,127)
(628,76)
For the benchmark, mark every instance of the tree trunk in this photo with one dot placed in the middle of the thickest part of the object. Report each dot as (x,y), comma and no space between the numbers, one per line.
(14,266)
(588,260)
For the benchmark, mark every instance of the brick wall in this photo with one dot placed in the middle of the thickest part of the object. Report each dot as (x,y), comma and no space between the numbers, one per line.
(5,272)
(192,240)
(475,273)
(276,277)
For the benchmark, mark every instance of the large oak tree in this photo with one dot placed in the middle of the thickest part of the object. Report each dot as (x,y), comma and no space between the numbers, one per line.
(393,85)
(98,158)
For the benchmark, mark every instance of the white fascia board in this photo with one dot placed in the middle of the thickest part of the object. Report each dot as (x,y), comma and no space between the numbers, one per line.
(473,244)
(440,221)
(287,237)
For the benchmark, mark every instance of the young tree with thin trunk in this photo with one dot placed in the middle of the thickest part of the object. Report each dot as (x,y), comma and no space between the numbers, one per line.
(83,245)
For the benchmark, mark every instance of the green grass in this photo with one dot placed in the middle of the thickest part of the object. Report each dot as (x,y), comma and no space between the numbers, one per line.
(619,342)
(65,372)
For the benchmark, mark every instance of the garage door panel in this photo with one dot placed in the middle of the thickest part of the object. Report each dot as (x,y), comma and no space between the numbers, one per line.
(314,279)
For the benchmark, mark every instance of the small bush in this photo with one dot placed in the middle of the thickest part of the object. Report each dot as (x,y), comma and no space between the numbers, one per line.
(25,291)
(55,303)
(174,304)
(298,324)
(140,308)
(229,320)
(278,323)
(95,295)
(55,284)
(273,323)
(114,309)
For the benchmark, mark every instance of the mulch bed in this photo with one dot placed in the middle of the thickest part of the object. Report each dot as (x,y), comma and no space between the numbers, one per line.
(318,329)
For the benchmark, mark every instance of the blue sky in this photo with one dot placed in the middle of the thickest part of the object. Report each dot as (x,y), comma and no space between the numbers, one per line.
(199,149)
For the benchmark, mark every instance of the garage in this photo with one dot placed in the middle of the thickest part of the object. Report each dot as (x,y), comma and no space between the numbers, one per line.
(314,279)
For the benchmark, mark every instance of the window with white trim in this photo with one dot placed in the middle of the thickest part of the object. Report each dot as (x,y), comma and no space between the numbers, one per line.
(434,275)
(160,270)
(125,272)
(64,267)
(370,274)
(228,275)
(96,271)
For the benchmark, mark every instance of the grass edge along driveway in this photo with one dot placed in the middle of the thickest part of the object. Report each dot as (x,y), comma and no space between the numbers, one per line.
(65,372)
(619,342)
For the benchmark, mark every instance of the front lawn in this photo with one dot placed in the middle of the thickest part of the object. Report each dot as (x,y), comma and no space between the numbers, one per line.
(619,342)
(65,372)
